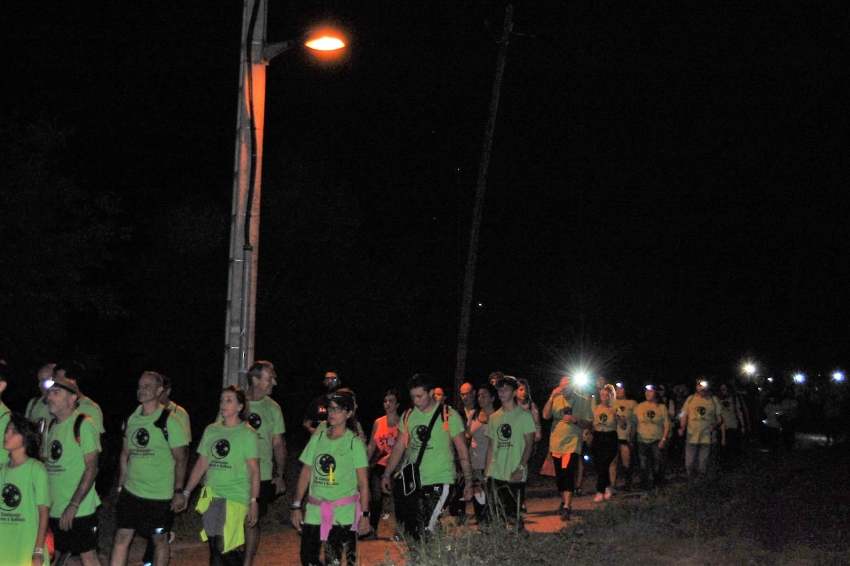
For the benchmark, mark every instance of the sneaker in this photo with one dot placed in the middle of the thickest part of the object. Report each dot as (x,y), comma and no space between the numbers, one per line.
(609,492)
(598,498)
(577,492)
(565,514)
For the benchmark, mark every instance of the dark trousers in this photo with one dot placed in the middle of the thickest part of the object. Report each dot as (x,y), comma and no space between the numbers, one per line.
(605,448)
(341,540)
(376,495)
(420,512)
(506,498)
(650,461)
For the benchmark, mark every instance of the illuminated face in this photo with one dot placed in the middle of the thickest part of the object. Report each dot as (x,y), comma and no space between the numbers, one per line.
(148,389)
(650,394)
(604,396)
(12,439)
(337,415)
(439,395)
(60,402)
(229,405)
(621,392)
(600,382)
(506,394)
(467,395)
(568,385)
(485,400)
(420,398)
(331,381)
(390,404)
(521,392)
(265,383)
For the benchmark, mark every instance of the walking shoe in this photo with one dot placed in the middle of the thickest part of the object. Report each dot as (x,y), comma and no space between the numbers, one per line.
(565,514)
(598,498)
(577,492)
(609,492)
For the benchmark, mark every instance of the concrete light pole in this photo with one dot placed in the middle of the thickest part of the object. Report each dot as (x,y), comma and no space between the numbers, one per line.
(247,178)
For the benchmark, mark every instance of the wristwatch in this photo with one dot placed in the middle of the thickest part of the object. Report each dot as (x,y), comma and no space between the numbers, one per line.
(520,467)
(365,514)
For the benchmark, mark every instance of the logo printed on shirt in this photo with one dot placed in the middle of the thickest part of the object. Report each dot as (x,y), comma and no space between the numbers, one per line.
(141,438)
(650,415)
(603,418)
(220,448)
(11,497)
(325,465)
(55,451)
(505,432)
(421,433)
(701,412)
(255,420)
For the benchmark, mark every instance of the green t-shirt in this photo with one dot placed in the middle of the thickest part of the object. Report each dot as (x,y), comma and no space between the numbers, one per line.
(267,419)
(64,460)
(507,430)
(92,409)
(438,465)
(227,450)
(729,411)
(150,465)
(37,410)
(334,464)
(24,489)
(626,409)
(5,416)
(604,418)
(567,438)
(651,418)
(702,413)
(183,417)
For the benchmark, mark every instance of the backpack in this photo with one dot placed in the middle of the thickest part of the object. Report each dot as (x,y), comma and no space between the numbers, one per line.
(161,423)
(78,423)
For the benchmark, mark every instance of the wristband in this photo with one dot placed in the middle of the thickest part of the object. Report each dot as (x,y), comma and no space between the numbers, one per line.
(295,505)
(38,551)
(120,488)
(77,505)
(177,490)
(253,500)
(364,514)
(187,493)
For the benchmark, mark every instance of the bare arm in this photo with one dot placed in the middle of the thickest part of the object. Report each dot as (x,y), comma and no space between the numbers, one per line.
(194,479)
(279,451)
(122,463)
(517,475)
(372,447)
(459,442)
(180,459)
(363,525)
(253,506)
(395,457)
(296,517)
(83,488)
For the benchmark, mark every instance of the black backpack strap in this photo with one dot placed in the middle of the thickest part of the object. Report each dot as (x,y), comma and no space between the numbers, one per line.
(162,422)
(78,423)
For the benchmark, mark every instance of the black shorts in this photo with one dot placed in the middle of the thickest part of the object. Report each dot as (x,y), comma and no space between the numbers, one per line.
(623,442)
(268,493)
(81,538)
(145,516)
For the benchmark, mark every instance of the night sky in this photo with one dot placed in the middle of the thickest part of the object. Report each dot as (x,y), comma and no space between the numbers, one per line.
(667,187)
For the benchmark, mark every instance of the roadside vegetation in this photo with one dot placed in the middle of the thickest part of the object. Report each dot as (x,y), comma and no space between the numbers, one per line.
(776,510)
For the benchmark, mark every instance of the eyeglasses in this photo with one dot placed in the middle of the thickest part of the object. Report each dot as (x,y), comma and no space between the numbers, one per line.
(335,409)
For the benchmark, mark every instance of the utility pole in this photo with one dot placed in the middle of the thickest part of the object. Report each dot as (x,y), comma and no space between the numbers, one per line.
(481,185)
(245,212)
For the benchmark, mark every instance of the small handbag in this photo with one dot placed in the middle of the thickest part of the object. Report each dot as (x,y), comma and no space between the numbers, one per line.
(409,476)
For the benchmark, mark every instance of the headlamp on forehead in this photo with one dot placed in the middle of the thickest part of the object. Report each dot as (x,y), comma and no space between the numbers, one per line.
(48,383)
(650,387)
(703,383)
(620,385)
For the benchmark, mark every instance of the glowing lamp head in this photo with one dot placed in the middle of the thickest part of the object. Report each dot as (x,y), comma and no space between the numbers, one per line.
(650,387)
(703,383)
(325,43)
(838,377)
(799,378)
(750,369)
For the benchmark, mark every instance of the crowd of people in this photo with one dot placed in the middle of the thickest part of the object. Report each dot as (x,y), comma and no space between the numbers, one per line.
(430,458)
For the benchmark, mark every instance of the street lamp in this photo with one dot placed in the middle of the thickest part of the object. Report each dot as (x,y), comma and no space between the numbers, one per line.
(245,213)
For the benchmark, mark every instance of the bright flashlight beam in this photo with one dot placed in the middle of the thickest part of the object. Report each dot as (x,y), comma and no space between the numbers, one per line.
(838,377)
(581,379)
(750,369)
(799,378)
(325,43)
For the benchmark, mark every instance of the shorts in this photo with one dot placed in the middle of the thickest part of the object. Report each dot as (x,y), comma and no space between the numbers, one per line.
(80,539)
(145,516)
(565,477)
(268,493)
